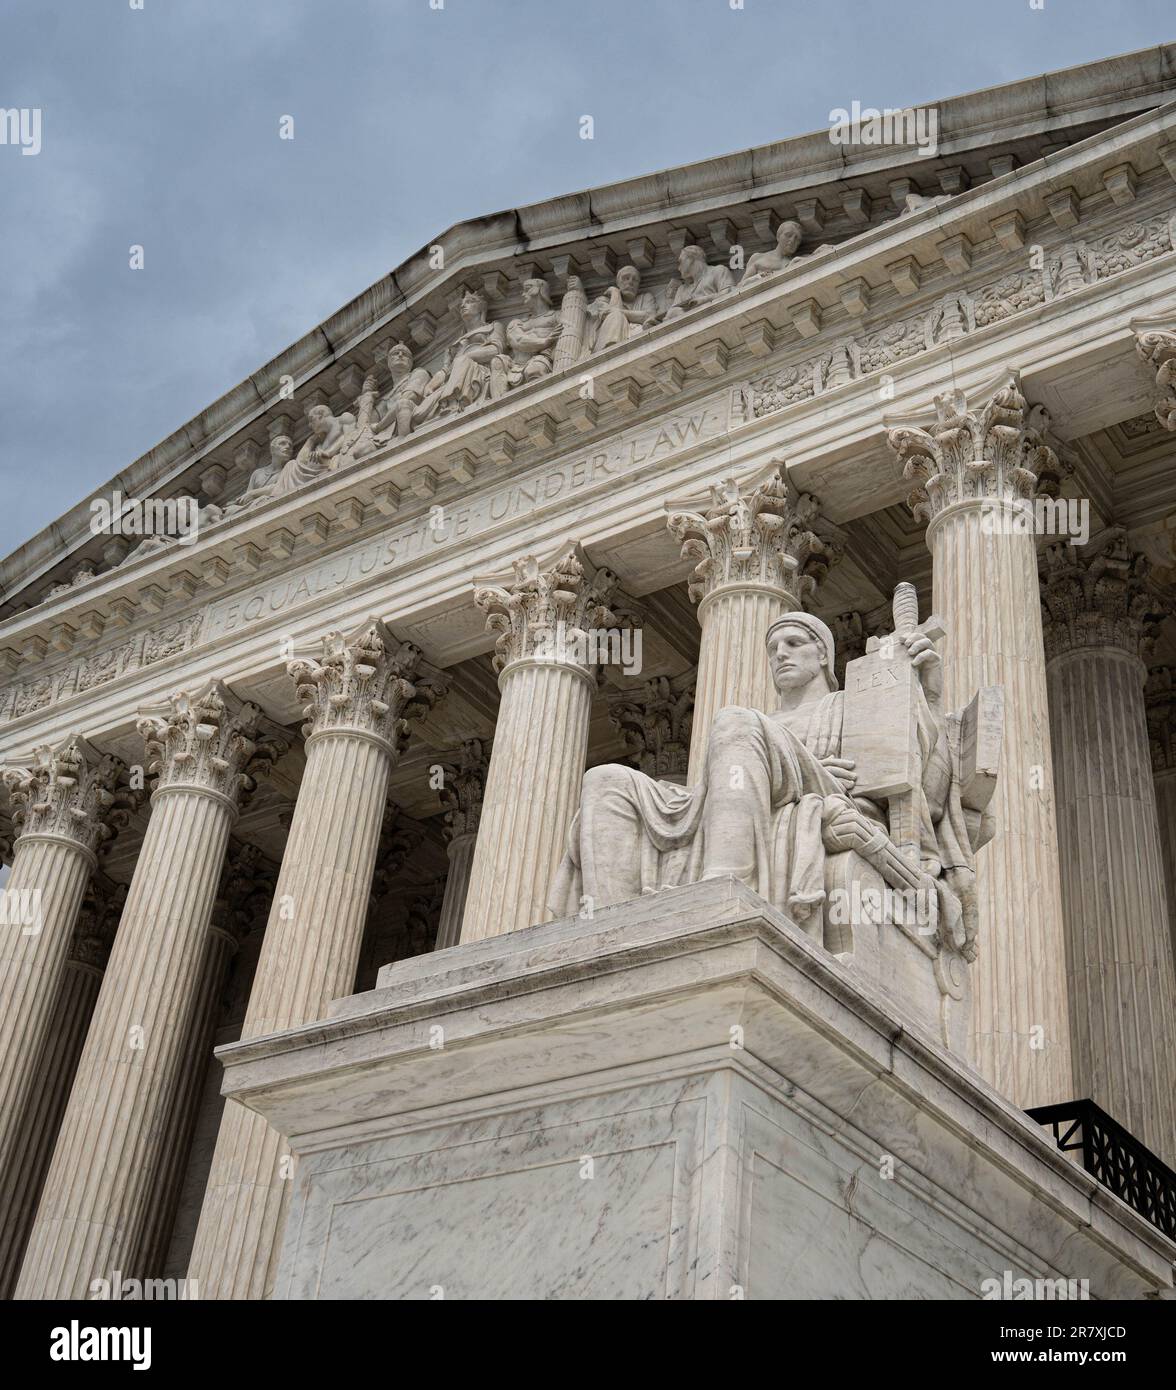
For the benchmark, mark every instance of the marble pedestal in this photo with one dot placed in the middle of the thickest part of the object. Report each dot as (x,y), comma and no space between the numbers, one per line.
(684,1097)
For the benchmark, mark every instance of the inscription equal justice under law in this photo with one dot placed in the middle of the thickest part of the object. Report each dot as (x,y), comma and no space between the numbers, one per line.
(460,521)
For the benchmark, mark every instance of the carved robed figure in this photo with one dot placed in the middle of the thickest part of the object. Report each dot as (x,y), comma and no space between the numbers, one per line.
(778,804)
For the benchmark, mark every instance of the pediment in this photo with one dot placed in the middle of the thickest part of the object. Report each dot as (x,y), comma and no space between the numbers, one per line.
(986,140)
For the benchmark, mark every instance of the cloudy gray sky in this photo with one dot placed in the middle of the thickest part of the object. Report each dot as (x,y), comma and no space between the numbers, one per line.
(160,128)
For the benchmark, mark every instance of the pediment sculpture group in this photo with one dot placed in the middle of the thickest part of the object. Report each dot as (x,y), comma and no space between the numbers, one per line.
(485,361)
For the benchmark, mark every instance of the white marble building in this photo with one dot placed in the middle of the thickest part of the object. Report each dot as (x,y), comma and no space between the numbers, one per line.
(301,783)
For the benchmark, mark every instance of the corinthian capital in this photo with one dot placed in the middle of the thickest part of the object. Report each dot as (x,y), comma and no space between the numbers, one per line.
(1098,597)
(994,453)
(1158,349)
(367,682)
(771,535)
(209,741)
(549,610)
(464,787)
(72,792)
(654,719)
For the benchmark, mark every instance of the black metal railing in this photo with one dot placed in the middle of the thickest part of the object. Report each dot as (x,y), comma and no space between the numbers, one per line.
(1115,1157)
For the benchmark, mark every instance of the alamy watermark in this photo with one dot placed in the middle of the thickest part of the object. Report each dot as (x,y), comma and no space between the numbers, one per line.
(116,1289)
(593,646)
(21,125)
(903,907)
(1008,1287)
(1044,516)
(21,907)
(867,125)
(173,517)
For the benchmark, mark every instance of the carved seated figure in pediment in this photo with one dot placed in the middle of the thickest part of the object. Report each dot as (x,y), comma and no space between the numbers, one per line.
(330,445)
(467,378)
(699,283)
(622,311)
(531,338)
(835,806)
(281,452)
(783,254)
(398,409)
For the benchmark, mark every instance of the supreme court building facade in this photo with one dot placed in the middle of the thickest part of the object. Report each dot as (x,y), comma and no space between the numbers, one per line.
(308,782)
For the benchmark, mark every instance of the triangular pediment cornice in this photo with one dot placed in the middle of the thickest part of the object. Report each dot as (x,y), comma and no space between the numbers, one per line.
(710,202)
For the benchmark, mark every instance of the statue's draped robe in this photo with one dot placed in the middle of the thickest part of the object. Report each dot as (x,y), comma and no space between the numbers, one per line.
(766,811)
(613,325)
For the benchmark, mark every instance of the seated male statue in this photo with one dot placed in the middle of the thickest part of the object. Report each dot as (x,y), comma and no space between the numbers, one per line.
(776,800)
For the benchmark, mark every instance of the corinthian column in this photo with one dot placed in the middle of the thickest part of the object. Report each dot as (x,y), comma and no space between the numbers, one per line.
(65,806)
(89,949)
(1122,989)
(1160,694)
(977,472)
(758,556)
(461,795)
(97,1200)
(546,674)
(245,890)
(359,696)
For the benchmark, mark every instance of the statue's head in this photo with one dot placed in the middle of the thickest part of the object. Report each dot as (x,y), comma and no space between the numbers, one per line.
(473,307)
(628,280)
(281,448)
(800,651)
(536,293)
(399,357)
(320,418)
(788,236)
(691,262)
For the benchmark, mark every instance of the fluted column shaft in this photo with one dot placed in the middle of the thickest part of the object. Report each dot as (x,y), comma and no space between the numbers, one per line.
(979,470)
(985,587)
(65,805)
(733,658)
(308,958)
(532,793)
(218,952)
(548,613)
(97,1196)
(32,967)
(457,884)
(56,1067)
(1121,984)
(97,1200)
(359,695)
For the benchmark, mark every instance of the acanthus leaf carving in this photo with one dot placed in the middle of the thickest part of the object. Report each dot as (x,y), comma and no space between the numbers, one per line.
(768,536)
(994,454)
(365,682)
(209,740)
(73,792)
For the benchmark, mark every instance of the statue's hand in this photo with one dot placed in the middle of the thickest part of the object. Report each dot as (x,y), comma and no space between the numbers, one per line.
(842,770)
(925,660)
